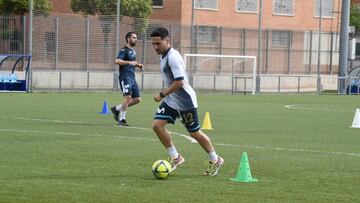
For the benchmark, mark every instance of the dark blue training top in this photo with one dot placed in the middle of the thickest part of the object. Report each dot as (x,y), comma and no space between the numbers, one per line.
(127,54)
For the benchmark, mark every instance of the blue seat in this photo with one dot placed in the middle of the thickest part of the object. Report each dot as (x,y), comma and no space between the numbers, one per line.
(1,77)
(354,82)
(13,78)
(6,77)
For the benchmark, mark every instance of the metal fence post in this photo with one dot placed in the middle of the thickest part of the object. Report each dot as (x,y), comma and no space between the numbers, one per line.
(259,58)
(214,82)
(319,50)
(289,53)
(115,82)
(60,78)
(267,52)
(279,84)
(143,48)
(117,25)
(243,49)
(56,43)
(142,81)
(298,84)
(344,40)
(23,30)
(28,78)
(220,48)
(88,81)
(331,53)
(87,45)
(172,34)
(310,52)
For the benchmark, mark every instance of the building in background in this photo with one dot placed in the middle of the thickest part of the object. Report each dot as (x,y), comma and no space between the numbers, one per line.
(276,14)
(355,2)
(287,25)
(297,15)
(289,34)
(290,43)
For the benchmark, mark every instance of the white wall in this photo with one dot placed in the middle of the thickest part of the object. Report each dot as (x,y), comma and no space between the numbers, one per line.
(108,81)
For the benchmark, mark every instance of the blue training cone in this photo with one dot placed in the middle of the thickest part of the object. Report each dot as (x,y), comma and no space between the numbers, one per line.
(105,108)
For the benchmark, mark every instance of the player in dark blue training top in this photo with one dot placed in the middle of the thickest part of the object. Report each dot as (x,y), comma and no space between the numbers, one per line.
(126,60)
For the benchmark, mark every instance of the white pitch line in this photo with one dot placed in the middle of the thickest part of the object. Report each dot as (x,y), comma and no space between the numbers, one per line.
(175,133)
(289,149)
(78,134)
(36,131)
(291,106)
(192,140)
(218,144)
(300,107)
(55,121)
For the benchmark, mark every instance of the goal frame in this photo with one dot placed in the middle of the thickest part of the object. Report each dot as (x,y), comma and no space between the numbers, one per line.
(230,56)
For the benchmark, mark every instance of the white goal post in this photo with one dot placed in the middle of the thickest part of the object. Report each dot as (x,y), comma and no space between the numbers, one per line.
(242,57)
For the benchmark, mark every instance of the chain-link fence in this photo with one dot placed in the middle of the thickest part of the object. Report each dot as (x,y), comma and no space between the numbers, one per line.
(72,42)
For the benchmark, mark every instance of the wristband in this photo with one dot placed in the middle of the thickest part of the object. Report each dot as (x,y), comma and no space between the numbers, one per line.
(161,94)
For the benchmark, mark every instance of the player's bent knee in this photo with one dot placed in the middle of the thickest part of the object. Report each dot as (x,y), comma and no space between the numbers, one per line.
(157,129)
(199,135)
(158,126)
(135,100)
(195,134)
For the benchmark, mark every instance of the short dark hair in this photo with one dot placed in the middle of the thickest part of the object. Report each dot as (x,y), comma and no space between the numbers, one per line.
(128,35)
(160,32)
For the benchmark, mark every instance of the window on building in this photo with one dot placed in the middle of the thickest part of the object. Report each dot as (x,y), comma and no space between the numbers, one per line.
(284,7)
(246,5)
(281,38)
(327,8)
(150,28)
(15,41)
(157,3)
(14,46)
(50,41)
(206,4)
(206,34)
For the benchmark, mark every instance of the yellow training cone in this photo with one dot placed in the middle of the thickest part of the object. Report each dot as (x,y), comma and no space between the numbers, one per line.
(207,122)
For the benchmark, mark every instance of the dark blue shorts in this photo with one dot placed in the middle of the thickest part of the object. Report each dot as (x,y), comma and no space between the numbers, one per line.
(128,86)
(189,118)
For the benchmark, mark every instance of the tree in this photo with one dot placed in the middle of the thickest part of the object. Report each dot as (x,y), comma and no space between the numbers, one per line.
(20,7)
(355,17)
(106,11)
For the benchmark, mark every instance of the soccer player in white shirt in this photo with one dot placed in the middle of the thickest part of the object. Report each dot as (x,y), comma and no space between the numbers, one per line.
(178,100)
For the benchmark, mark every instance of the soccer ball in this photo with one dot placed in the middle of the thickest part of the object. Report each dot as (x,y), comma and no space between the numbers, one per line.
(161,169)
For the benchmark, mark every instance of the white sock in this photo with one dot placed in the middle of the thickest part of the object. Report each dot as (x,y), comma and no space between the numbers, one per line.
(122,115)
(119,107)
(213,156)
(173,152)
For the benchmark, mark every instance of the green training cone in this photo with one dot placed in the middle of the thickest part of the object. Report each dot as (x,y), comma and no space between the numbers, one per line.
(244,173)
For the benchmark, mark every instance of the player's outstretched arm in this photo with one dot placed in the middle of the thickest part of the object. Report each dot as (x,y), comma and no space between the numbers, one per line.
(177,84)
(140,65)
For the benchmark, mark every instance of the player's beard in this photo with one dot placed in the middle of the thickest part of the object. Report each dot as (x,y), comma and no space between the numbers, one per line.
(132,43)
(158,51)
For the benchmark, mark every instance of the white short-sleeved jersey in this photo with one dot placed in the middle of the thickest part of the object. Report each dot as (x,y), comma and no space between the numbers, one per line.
(173,68)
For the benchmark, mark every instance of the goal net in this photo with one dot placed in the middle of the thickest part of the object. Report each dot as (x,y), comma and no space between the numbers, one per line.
(222,72)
